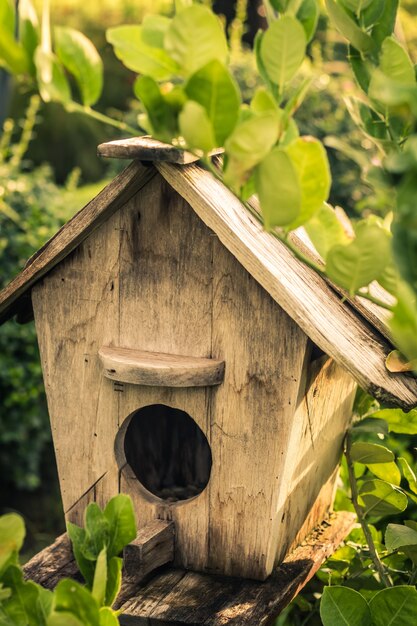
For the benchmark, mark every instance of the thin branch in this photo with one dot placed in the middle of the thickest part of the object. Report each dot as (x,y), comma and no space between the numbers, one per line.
(385,579)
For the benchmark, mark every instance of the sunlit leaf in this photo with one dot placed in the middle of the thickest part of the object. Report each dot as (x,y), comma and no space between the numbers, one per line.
(216,91)
(398,421)
(397,604)
(366,453)
(386,471)
(282,50)
(12,534)
(398,536)
(348,28)
(251,140)
(100,578)
(162,117)
(278,187)
(308,16)
(395,63)
(403,326)
(79,56)
(325,230)
(195,37)
(136,55)
(408,474)
(196,127)
(362,261)
(309,159)
(343,606)
(154,27)
(52,82)
(379,498)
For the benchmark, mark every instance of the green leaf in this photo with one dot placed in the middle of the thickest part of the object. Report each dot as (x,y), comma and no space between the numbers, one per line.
(139,57)
(79,56)
(29,604)
(396,606)
(216,91)
(408,474)
(249,143)
(12,53)
(309,159)
(403,326)
(378,498)
(341,606)
(357,6)
(154,28)
(12,534)
(121,517)
(325,230)
(348,28)
(264,102)
(283,49)
(386,22)
(114,579)
(52,82)
(386,471)
(108,617)
(72,597)
(78,540)
(361,68)
(308,16)
(162,116)
(29,31)
(397,536)
(278,188)
(367,453)
(64,618)
(100,578)
(194,38)
(359,263)
(371,425)
(196,127)
(398,421)
(395,63)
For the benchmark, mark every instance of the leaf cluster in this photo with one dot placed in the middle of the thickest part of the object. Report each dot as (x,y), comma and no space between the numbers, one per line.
(96,549)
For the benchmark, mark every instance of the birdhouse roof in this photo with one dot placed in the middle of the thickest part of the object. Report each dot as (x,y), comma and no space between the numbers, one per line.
(353,331)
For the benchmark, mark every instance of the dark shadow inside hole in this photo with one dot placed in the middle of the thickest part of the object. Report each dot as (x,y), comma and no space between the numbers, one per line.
(168,452)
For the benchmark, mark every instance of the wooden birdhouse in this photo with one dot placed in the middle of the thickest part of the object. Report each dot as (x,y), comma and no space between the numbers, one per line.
(191,361)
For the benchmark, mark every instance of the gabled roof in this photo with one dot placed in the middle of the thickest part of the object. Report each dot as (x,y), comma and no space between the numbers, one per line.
(353,332)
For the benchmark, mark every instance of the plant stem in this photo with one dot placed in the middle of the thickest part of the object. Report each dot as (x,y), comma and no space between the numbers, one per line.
(413,577)
(74,107)
(385,579)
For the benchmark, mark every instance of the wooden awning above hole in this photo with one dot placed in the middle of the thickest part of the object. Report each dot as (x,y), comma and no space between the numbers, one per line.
(156,369)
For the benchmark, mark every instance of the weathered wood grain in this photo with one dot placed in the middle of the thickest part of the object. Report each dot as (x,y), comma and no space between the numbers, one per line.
(303,294)
(201,599)
(165,306)
(152,548)
(96,212)
(156,369)
(252,417)
(314,451)
(147,149)
(76,312)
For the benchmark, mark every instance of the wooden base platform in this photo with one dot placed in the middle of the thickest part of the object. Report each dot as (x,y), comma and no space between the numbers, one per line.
(177,597)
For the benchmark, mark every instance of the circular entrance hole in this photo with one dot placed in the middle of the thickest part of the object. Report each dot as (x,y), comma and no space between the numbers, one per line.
(168,452)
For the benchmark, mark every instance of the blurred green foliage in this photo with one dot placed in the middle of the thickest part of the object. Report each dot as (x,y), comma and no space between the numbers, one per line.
(32,208)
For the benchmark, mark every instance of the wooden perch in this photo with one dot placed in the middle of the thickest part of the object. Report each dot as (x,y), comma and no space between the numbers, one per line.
(156,369)
(153,547)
